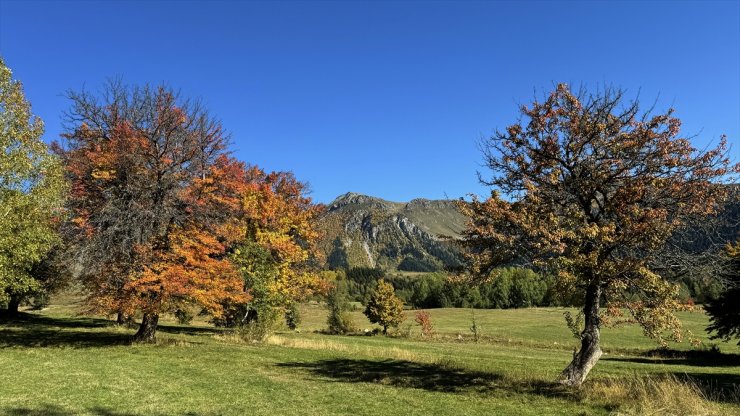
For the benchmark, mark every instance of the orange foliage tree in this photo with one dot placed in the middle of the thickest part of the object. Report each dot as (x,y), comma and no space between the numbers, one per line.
(276,252)
(148,229)
(591,189)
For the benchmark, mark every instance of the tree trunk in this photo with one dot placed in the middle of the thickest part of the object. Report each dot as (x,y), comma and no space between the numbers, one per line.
(590,352)
(122,318)
(13,304)
(148,329)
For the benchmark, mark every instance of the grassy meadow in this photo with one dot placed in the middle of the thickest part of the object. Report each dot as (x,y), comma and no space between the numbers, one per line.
(56,362)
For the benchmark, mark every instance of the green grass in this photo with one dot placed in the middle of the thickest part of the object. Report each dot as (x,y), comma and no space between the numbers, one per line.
(55,363)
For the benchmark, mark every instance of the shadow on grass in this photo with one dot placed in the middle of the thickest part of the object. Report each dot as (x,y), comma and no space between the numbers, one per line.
(694,358)
(189,330)
(53,410)
(430,377)
(716,387)
(30,330)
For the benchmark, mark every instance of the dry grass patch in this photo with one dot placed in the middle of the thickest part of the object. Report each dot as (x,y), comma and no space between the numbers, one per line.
(394,353)
(664,395)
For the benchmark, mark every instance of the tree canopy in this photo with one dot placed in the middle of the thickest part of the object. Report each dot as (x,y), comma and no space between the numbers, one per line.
(32,192)
(150,204)
(589,187)
(384,307)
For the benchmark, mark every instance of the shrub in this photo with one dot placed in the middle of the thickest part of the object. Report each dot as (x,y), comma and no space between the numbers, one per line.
(184,316)
(475,328)
(424,319)
(292,316)
(257,330)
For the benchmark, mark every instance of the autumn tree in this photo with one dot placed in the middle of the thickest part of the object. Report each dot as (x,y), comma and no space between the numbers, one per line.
(276,247)
(149,231)
(384,307)
(590,187)
(31,194)
(724,312)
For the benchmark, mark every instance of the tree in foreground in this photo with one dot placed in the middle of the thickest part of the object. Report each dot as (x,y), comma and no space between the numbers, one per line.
(590,187)
(724,312)
(384,307)
(32,192)
(148,230)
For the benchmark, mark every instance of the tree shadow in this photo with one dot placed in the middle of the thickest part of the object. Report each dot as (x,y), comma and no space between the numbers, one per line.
(189,330)
(25,318)
(429,377)
(53,410)
(694,358)
(716,387)
(30,330)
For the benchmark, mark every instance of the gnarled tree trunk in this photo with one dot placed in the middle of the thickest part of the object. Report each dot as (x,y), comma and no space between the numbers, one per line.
(148,329)
(590,352)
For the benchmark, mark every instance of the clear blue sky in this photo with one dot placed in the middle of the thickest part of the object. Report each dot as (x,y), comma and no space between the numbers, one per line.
(382,98)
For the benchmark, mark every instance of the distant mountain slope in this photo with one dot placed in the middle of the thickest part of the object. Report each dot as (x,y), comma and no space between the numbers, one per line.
(364,231)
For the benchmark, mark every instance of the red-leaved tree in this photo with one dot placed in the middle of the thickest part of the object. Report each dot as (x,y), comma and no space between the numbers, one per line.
(149,231)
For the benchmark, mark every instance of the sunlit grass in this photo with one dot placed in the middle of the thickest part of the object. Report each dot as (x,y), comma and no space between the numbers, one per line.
(57,364)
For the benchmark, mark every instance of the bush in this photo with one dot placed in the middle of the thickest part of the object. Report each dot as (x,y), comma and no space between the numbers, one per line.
(40,301)
(292,316)
(475,328)
(257,330)
(424,319)
(183,316)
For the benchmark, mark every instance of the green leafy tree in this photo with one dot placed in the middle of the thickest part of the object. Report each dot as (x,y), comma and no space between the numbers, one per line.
(339,319)
(31,194)
(384,307)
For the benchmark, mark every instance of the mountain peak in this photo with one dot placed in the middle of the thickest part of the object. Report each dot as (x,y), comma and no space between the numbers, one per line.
(365,231)
(353,198)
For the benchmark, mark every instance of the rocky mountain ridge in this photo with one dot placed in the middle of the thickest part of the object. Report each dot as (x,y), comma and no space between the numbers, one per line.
(365,231)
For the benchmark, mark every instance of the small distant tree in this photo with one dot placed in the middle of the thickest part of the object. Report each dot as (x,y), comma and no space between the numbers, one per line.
(724,312)
(32,189)
(339,319)
(384,307)
(474,327)
(591,187)
(424,319)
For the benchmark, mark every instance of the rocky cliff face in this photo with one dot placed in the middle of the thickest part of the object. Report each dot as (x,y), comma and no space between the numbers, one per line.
(364,231)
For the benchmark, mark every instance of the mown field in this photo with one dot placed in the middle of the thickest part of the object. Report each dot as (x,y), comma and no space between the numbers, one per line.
(56,363)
